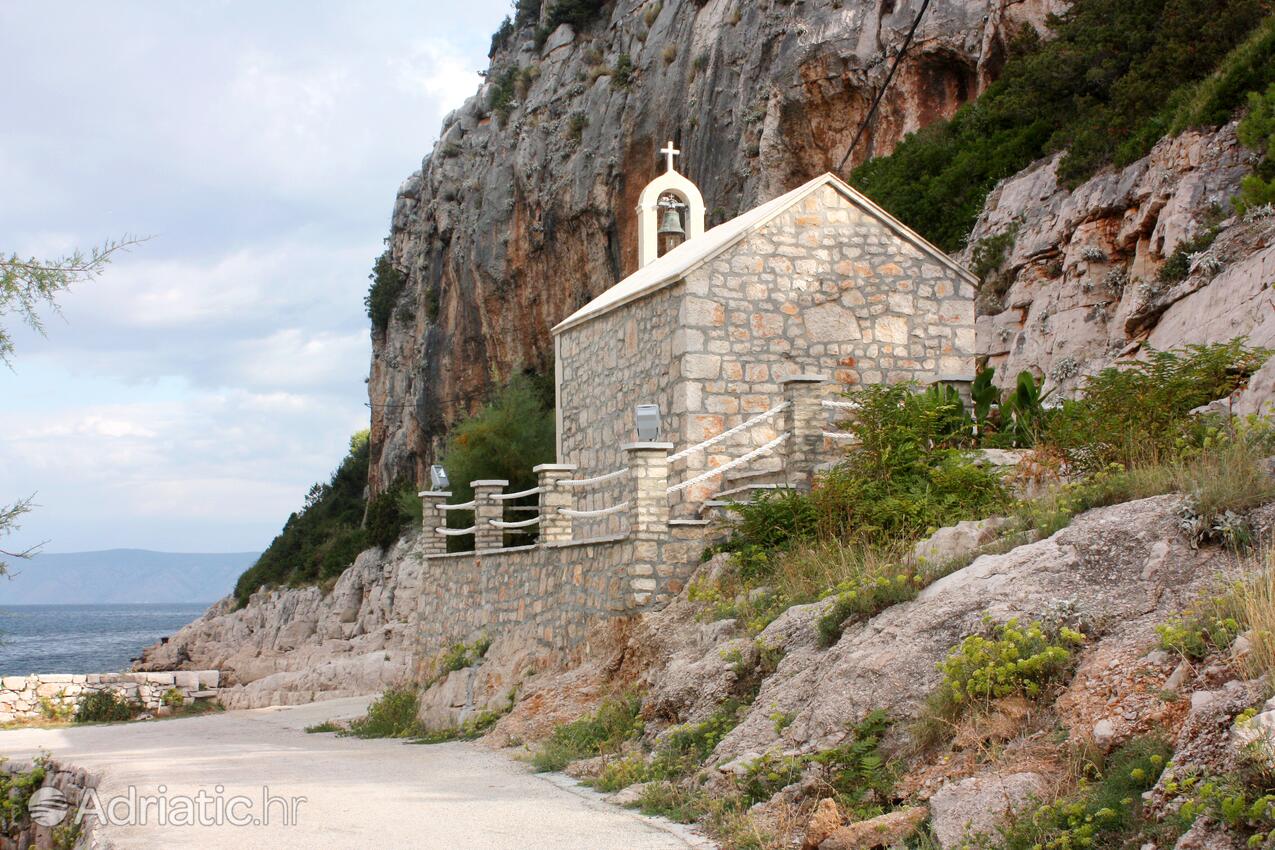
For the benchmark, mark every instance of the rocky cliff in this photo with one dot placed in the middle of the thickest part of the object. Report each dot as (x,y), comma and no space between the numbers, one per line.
(524,210)
(1076,278)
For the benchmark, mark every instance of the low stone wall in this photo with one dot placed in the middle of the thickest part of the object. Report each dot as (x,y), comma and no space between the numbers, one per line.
(43,695)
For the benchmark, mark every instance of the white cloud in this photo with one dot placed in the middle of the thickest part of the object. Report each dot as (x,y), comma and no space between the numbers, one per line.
(196,390)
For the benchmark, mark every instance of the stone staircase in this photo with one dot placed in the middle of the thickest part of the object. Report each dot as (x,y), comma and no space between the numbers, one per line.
(743,486)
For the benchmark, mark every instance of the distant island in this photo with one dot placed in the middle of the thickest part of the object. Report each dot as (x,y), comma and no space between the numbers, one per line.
(120,576)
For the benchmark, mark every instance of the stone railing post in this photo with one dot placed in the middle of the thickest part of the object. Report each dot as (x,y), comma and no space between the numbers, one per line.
(648,515)
(648,490)
(554,527)
(486,535)
(433,543)
(804,421)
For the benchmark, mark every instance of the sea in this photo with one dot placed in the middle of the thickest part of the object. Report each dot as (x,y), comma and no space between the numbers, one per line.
(84,638)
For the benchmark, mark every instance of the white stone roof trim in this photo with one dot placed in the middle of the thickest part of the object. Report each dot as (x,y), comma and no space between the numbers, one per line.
(693,253)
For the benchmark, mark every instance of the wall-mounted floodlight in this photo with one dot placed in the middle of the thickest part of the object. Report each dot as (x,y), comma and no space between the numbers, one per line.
(438,478)
(648,422)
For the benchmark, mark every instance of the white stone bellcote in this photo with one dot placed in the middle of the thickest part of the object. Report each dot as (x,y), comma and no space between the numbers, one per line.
(648,209)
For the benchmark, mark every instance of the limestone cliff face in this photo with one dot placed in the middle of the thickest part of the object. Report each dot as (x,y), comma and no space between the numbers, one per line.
(1080,273)
(521,215)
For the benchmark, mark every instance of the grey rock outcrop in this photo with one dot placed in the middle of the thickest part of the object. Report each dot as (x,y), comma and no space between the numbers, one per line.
(1115,569)
(976,805)
(1079,286)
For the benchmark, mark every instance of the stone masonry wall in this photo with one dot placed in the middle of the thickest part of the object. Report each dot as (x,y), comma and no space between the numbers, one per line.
(552,593)
(824,288)
(38,695)
(607,367)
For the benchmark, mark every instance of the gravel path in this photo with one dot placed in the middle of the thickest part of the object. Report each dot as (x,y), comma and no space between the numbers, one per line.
(453,796)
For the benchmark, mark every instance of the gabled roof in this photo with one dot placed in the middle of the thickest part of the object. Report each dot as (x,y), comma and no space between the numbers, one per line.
(675,265)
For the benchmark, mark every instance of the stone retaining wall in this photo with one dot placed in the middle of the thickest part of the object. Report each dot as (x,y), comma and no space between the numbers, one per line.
(44,695)
(74,783)
(552,593)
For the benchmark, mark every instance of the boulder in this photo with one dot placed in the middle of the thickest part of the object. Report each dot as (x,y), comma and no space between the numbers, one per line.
(955,542)
(977,805)
(825,820)
(630,796)
(887,830)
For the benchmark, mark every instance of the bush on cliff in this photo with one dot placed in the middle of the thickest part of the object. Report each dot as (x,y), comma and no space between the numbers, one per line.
(1105,87)
(1138,414)
(508,435)
(387,285)
(324,537)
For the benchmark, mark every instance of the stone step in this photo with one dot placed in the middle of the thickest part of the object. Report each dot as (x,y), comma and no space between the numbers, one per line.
(746,488)
(752,474)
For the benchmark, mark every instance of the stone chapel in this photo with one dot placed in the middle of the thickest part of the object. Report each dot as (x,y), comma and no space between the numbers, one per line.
(819,281)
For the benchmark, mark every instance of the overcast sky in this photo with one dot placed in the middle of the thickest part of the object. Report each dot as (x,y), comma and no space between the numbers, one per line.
(187,399)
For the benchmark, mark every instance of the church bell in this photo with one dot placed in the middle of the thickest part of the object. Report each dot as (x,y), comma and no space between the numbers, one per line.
(672,225)
(671,233)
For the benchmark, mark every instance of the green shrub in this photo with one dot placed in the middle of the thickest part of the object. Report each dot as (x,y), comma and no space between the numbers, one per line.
(16,788)
(104,707)
(1212,101)
(1138,413)
(1105,813)
(391,715)
(1105,77)
(1257,131)
(390,513)
(613,723)
(173,698)
(1210,625)
(578,13)
(387,285)
(503,94)
(509,435)
(622,73)
(1011,660)
(681,753)
(323,538)
(462,655)
(857,772)
(866,596)
(907,472)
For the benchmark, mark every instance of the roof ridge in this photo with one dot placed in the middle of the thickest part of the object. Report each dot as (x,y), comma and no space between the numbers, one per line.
(694,253)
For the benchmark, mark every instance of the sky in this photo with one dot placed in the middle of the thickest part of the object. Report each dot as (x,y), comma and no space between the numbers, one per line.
(186,400)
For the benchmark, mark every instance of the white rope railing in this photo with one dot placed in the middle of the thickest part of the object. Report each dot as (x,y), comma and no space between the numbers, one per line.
(839,435)
(585,482)
(456,532)
(500,497)
(522,524)
(841,405)
(600,512)
(463,506)
(727,467)
(743,426)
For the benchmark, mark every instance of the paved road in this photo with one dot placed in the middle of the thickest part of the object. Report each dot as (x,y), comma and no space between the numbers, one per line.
(357,793)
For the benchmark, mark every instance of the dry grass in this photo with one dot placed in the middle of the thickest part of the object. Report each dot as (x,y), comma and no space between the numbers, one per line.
(808,571)
(1257,602)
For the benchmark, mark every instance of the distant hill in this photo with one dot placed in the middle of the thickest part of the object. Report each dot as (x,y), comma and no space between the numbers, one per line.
(123,575)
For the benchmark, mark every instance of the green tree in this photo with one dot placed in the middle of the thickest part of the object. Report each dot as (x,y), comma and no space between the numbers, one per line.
(509,435)
(1257,131)
(27,286)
